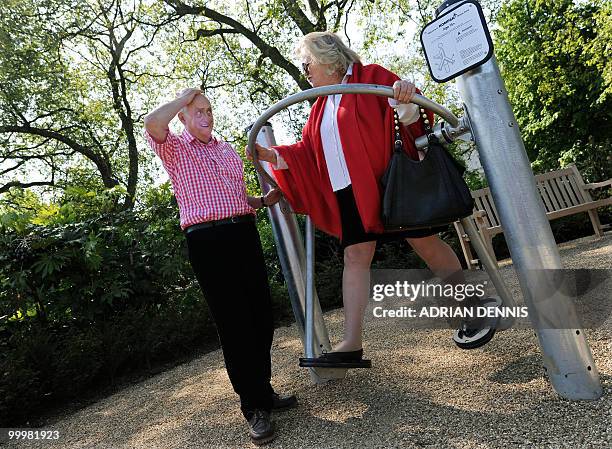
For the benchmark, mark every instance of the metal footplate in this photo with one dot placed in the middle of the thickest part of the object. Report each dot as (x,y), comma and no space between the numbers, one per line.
(318,363)
(486,332)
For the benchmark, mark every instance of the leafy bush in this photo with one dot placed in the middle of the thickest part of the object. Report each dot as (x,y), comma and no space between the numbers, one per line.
(82,302)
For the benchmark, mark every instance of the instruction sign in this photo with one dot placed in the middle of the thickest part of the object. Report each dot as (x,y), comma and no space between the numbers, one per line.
(457,41)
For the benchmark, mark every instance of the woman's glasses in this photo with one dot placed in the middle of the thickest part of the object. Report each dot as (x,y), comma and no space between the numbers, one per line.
(305,67)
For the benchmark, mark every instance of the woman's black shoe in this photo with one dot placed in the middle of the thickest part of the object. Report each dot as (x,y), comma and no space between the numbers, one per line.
(346,356)
(338,359)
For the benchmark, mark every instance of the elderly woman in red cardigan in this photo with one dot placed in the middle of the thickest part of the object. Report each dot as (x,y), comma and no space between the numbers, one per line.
(333,174)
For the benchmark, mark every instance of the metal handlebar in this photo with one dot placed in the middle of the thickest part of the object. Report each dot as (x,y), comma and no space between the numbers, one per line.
(374,89)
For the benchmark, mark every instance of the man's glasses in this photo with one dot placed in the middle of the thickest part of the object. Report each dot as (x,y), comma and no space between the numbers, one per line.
(305,67)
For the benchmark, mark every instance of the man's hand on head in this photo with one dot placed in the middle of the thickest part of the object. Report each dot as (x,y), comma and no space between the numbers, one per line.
(156,122)
(189,94)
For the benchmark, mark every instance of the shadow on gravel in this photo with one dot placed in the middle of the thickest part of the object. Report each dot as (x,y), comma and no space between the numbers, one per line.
(392,419)
(519,371)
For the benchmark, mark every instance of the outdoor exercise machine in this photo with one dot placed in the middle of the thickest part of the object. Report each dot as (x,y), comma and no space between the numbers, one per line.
(489,118)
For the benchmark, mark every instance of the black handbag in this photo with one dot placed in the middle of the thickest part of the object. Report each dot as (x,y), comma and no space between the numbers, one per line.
(426,193)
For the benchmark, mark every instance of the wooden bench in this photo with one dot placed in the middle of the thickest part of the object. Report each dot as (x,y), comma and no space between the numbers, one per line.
(563,193)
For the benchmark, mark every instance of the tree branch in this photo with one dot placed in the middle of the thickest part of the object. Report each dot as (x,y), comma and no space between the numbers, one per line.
(299,17)
(209,33)
(102,165)
(348,39)
(14,153)
(25,159)
(266,50)
(314,7)
(6,187)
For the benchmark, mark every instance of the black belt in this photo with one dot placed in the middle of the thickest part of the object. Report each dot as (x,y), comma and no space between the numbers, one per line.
(211,224)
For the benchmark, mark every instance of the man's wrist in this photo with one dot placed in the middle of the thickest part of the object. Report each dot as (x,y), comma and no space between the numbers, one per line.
(183,102)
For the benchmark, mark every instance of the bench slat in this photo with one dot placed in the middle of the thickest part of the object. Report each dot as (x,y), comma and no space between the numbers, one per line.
(560,200)
(544,197)
(563,188)
(569,188)
(484,205)
(577,190)
(493,208)
(554,174)
(479,206)
(551,194)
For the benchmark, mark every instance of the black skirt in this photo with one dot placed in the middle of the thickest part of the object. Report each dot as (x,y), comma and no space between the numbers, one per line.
(352,227)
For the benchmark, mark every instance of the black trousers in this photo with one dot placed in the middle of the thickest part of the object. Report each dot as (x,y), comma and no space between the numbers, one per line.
(229,265)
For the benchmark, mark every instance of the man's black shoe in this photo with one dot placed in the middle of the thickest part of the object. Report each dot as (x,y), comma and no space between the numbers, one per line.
(283,402)
(260,427)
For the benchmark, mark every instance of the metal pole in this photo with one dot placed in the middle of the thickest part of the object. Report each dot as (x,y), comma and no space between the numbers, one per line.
(290,248)
(566,353)
(491,268)
(310,288)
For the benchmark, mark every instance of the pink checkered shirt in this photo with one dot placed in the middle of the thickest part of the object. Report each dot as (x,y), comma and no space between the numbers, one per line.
(208,179)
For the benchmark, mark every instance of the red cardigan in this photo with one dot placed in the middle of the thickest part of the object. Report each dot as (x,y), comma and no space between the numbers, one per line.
(365,125)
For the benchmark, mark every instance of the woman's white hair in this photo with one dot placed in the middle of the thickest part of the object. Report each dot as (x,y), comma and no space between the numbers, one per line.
(325,47)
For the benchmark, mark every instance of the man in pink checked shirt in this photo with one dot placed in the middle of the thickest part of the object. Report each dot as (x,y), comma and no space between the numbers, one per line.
(218,218)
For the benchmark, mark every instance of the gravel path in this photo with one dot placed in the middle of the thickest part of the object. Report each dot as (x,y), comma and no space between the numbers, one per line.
(422,392)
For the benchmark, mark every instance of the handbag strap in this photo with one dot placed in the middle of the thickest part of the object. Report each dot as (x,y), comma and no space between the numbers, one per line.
(398,145)
(426,123)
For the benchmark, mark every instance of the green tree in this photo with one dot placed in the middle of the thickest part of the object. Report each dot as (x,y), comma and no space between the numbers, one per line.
(72,90)
(548,51)
(600,48)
